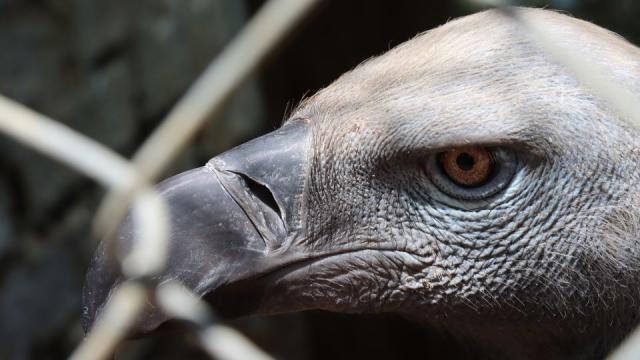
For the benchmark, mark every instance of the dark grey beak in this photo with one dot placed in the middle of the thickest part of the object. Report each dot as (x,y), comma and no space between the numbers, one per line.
(228,219)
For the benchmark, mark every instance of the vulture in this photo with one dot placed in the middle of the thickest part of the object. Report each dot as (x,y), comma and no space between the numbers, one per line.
(464,179)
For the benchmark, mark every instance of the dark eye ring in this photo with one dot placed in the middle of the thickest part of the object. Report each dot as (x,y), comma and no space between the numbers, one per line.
(472,172)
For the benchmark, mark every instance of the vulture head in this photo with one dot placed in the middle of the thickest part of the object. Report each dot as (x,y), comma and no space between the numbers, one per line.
(463,179)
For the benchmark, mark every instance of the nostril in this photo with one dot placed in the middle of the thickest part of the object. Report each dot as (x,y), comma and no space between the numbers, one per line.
(262,193)
(259,204)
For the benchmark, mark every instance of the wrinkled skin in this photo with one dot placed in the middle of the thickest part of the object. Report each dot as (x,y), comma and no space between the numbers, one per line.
(547,267)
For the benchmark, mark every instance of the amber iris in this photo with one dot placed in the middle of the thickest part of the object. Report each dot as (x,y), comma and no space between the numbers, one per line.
(468,165)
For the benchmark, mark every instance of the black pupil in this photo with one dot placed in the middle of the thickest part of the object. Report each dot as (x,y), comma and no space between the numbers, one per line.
(465,161)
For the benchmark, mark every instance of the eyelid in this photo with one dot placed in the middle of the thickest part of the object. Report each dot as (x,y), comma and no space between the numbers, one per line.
(440,148)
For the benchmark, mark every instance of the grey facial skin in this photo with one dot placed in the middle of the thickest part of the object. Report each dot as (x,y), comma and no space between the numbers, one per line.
(338,210)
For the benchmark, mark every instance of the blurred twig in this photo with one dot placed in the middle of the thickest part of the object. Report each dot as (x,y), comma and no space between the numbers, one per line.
(220,341)
(111,170)
(592,75)
(629,349)
(102,164)
(130,181)
(64,144)
(617,96)
(125,305)
(205,98)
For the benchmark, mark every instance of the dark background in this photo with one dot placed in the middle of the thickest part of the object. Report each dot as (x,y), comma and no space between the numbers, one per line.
(112,70)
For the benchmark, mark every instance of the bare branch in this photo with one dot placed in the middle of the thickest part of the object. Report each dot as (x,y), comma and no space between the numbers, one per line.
(66,145)
(117,318)
(206,97)
(629,349)
(221,342)
(618,97)
(590,74)
(102,164)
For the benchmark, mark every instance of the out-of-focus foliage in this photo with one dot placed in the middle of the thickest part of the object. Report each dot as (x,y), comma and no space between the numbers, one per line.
(112,69)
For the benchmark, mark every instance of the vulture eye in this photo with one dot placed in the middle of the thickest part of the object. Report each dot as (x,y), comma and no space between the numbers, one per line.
(467,166)
(472,172)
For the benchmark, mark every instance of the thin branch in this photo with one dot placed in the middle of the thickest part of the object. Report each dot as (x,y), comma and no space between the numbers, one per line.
(206,97)
(220,341)
(117,318)
(629,349)
(152,225)
(618,97)
(127,180)
(66,145)
(102,164)
(592,75)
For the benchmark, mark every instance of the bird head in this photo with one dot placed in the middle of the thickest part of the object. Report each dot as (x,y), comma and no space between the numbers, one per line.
(463,179)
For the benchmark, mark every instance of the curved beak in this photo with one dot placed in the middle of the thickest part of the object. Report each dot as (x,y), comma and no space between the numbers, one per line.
(228,219)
